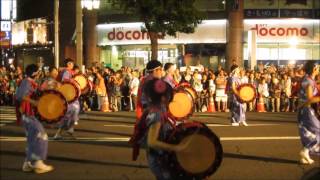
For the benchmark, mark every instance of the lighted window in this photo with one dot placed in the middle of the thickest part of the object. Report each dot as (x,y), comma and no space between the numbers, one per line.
(5,9)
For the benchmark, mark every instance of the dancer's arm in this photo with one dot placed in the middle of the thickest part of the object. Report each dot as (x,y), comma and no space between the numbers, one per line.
(153,141)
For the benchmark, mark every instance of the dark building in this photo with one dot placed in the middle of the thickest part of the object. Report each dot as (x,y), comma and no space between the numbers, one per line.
(284,31)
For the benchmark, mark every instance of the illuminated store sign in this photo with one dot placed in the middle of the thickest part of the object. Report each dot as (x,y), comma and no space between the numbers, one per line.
(119,34)
(30,32)
(263,30)
(214,31)
(5,26)
(211,31)
(283,30)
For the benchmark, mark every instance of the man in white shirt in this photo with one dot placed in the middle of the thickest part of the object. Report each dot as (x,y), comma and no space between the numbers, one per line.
(221,95)
(134,85)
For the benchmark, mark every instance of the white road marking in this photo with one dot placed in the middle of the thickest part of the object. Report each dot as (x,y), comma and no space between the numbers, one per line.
(220,125)
(259,138)
(2,121)
(126,139)
(118,125)
(209,125)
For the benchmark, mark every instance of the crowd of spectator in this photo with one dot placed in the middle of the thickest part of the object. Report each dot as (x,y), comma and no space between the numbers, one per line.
(277,86)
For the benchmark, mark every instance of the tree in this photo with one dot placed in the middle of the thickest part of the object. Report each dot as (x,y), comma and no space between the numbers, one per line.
(163,17)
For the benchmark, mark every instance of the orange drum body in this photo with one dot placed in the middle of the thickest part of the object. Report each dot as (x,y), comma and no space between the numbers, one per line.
(188,88)
(182,105)
(247,93)
(70,90)
(202,157)
(52,106)
(83,82)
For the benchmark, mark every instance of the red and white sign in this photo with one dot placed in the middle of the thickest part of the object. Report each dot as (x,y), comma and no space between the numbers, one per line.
(263,30)
(214,31)
(132,33)
(281,31)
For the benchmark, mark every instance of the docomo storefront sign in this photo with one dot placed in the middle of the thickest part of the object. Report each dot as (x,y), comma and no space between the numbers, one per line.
(213,31)
(120,34)
(283,30)
(263,30)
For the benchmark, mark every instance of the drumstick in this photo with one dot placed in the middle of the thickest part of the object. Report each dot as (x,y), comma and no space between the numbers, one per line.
(130,100)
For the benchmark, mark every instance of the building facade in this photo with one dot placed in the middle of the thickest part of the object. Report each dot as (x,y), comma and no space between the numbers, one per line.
(285,32)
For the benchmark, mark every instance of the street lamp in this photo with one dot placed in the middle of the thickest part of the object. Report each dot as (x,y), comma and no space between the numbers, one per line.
(88,4)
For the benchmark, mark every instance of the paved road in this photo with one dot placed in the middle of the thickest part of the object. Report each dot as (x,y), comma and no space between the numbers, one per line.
(267,149)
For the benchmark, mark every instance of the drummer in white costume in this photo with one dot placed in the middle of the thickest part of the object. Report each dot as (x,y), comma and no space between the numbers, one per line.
(37,138)
(72,115)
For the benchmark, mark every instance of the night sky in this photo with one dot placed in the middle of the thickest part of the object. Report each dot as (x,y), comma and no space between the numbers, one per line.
(29,9)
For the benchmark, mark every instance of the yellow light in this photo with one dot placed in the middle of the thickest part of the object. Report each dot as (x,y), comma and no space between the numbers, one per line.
(293,41)
(292,62)
(114,49)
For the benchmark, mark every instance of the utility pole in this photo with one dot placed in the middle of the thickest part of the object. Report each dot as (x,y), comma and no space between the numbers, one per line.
(56,33)
(79,54)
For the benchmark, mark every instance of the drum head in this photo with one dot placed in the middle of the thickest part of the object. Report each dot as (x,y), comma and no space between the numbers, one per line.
(51,106)
(247,93)
(199,160)
(82,81)
(198,157)
(70,91)
(181,105)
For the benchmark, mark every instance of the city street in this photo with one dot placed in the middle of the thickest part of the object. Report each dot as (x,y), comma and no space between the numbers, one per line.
(267,149)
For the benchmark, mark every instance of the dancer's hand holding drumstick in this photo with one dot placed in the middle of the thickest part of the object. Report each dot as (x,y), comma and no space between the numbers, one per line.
(153,141)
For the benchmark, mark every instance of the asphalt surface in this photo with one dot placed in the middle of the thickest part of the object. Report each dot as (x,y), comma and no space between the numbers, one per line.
(267,149)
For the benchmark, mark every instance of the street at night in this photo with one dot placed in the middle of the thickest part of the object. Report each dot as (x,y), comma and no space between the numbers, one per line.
(207,89)
(266,149)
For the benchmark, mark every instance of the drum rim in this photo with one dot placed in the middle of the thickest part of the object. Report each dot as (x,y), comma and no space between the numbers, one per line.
(83,89)
(177,90)
(77,87)
(247,85)
(189,129)
(51,91)
(186,85)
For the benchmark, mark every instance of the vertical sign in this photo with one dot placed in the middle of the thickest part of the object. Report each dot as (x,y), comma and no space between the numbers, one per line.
(252,47)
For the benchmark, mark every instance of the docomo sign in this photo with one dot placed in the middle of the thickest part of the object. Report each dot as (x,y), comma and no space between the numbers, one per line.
(210,31)
(120,34)
(263,30)
(282,30)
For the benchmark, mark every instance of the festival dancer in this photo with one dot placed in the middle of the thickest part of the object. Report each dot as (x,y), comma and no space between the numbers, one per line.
(309,123)
(154,70)
(72,115)
(170,68)
(37,138)
(51,82)
(238,115)
(155,128)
